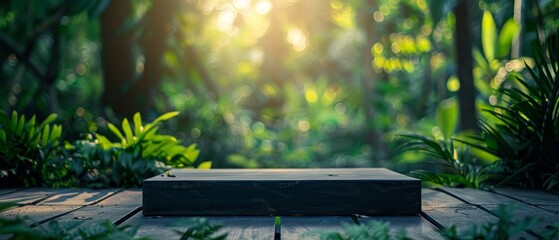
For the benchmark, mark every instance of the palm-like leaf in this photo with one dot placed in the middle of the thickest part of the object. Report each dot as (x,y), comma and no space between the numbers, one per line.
(526,134)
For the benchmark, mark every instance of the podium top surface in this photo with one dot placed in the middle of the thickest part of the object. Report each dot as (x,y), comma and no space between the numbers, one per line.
(283,174)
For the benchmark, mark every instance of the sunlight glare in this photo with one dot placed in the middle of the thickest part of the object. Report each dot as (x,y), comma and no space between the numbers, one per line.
(241,4)
(226,18)
(263,7)
(297,38)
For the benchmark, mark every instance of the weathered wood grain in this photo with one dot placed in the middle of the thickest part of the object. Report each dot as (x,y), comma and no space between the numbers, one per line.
(157,227)
(459,216)
(126,197)
(478,197)
(436,199)
(96,212)
(534,197)
(37,214)
(522,211)
(235,227)
(31,195)
(282,192)
(246,227)
(416,227)
(554,209)
(288,174)
(445,210)
(310,227)
(8,190)
(489,201)
(78,197)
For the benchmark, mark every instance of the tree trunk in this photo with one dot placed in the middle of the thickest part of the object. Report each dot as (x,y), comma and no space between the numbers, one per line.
(156,31)
(118,60)
(373,136)
(463,43)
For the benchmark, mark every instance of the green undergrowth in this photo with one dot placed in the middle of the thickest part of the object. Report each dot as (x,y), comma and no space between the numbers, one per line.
(33,153)
(518,138)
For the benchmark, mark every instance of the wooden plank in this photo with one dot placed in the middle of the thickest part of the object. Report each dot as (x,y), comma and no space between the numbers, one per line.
(554,209)
(282,192)
(444,210)
(522,211)
(31,195)
(478,197)
(490,201)
(436,199)
(461,216)
(308,227)
(416,227)
(8,190)
(126,197)
(534,197)
(246,227)
(96,212)
(156,227)
(79,197)
(236,227)
(37,214)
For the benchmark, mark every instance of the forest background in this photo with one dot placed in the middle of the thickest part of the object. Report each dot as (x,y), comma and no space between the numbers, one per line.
(271,83)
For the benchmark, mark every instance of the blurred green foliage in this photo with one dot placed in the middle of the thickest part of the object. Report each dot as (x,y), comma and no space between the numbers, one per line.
(520,132)
(263,83)
(34,155)
(28,151)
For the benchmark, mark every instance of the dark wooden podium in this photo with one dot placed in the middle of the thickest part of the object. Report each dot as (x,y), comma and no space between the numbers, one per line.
(340,191)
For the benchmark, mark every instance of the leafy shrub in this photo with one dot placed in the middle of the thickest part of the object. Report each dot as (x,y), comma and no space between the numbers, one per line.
(465,169)
(28,152)
(140,153)
(525,131)
(31,154)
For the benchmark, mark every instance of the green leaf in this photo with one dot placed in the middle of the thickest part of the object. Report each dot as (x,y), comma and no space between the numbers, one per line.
(103,141)
(14,121)
(192,153)
(125,160)
(447,116)
(488,35)
(2,136)
(56,132)
(31,127)
(48,120)
(127,132)
(45,136)
(205,165)
(508,35)
(116,132)
(165,117)
(20,124)
(137,124)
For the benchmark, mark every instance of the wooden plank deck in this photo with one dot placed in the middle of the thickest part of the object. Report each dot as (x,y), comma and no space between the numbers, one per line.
(441,208)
